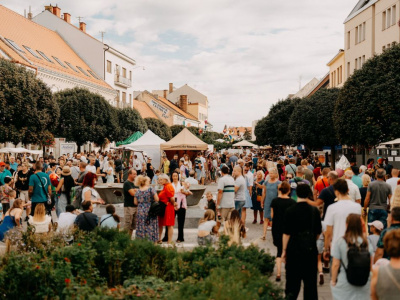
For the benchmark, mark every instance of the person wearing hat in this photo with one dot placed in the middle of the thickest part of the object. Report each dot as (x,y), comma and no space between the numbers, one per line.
(3,172)
(376,229)
(64,187)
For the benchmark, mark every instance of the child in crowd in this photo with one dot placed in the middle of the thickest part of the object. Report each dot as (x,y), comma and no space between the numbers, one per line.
(5,193)
(186,188)
(376,229)
(208,228)
(210,202)
(11,197)
(155,178)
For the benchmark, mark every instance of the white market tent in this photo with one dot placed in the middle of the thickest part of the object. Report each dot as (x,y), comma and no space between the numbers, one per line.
(394,142)
(244,143)
(185,141)
(20,150)
(150,144)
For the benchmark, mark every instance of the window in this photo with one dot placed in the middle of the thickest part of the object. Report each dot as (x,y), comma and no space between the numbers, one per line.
(389,17)
(363,60)
(357,35)
(108,66)
(117,98)
(117,70)
(93,74)
(356,64)
(123,97)
(32,52)
(348,40)
(71,66)
(15,45)
(384,20)
(348,69)
(340,75)
(130,99)
(45,56)
(124,72)
(388,46)
(80,69)
(393,14)
(60,62)
(393,44)
(363,32)
(360,33)
(130,75)
(383,48)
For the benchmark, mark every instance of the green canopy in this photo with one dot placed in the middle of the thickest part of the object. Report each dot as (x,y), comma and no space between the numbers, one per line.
(137,135)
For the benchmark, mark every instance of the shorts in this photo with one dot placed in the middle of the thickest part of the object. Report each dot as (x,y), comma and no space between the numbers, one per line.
(130,214)
(239,205)
(225,213)
(320,246)
(24,196)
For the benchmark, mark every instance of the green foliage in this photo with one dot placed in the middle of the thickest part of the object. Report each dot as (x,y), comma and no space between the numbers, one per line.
(107,264)
(129,122)
(85,117)
(28,111)
(194,130)
(367,111)
(159,128)
(273,129)
(311,122)
(176,129)
(247,135)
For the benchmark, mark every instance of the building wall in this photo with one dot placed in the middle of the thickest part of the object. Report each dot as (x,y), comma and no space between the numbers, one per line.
(337,71)
(110,77)
(363,49)
(79,41)
(386,35)
(200,111)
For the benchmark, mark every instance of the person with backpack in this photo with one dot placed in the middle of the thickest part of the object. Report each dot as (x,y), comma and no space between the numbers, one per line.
(352,255)
(301,229)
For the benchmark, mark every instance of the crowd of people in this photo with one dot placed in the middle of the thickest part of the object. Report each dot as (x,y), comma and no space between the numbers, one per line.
(343,221)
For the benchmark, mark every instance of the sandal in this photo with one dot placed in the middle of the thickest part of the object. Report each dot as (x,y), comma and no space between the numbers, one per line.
(159,242)
(263,238)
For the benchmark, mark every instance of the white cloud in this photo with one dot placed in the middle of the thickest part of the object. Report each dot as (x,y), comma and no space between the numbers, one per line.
(244,55)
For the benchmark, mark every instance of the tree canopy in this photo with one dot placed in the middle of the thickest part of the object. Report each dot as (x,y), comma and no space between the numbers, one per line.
(85,117)
(311,122)
(176,129)
(274,128)
(129,122)
(367,110)
(29,113)
(159,128)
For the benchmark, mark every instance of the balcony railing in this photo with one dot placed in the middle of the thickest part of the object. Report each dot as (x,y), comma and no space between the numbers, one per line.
(122,81)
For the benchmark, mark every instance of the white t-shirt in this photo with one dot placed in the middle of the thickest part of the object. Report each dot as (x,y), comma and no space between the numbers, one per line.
(191,180)
(90,168)
(203,161)
(336,216)
(40,227)
(227,185)
(354,191)
(393,183)
(207,225)
(93,194)
(66,222)
(240,182)
(249,178)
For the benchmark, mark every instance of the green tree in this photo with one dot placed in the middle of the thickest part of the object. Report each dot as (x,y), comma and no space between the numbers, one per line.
(176,129)
(247,135)
(311,122)
(85,117)
(194,130)
(273,129)
(367,111)
(159,128)
(28,113)
(129,122)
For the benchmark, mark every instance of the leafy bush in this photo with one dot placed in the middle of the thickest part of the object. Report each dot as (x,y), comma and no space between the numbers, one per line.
(107,264)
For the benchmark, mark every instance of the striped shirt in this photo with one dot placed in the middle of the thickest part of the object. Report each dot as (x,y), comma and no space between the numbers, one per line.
(227,185)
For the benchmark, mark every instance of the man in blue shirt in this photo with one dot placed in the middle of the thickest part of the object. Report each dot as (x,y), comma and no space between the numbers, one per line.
(13,163)
(3,172)
(39,187)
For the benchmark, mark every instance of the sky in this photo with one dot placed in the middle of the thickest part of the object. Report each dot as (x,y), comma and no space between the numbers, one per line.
(243,55)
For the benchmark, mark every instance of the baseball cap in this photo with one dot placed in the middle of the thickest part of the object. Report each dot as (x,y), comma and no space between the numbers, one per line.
(2,164)
(377,224)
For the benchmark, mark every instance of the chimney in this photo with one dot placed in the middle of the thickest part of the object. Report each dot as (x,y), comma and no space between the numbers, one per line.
(67,17)
(183,103)
(165,94)
(171,88)
(82,26)
(49,8)
(30,13)
(57,11)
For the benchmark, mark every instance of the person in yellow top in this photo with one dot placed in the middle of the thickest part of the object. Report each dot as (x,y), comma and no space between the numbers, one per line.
(165,165)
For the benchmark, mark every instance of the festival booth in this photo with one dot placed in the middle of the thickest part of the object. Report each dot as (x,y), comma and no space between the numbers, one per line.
(134,137)
(184,143)
(149,143)
(244,143)
(5,152)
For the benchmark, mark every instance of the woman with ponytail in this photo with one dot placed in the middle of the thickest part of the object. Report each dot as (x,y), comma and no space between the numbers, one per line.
(111,219)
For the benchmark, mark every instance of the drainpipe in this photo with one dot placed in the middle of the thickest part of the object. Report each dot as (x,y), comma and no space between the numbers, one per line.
(108,48)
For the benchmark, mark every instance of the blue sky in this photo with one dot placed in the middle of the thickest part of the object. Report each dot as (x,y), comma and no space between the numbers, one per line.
(244,55)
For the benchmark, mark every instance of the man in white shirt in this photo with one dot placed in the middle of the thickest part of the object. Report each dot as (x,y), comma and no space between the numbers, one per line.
(137,164)
(191,178)
(393,181)
(226,194)
(336,215)
(66,222)
(91,166)
(354,191)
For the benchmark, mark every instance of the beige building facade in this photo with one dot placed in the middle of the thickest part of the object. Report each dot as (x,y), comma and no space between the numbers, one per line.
(371,27)
(336,70)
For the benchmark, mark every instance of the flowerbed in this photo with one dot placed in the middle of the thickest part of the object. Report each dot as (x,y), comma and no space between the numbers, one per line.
(106,264)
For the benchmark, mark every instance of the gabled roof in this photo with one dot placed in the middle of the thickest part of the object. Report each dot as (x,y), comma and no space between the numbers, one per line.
(360,6)
(26,33)
(192,94)
(323,83)
(144,109)
(185,140)
(338,55)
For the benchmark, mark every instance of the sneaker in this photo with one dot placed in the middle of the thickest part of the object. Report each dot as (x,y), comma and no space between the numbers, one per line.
(261,222)
(321,278)
(254,222)
(269,228)
(278,278)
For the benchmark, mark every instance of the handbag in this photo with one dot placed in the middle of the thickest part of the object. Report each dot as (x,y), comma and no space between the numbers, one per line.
(44,190)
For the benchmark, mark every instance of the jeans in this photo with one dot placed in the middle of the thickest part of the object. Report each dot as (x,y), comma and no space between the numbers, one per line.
(377,215)
(238,206)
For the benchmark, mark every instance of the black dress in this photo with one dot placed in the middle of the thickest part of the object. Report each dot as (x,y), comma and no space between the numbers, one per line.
(256,192)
